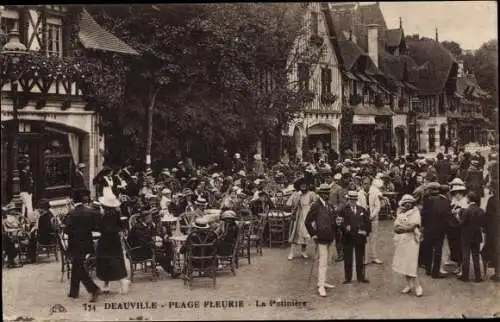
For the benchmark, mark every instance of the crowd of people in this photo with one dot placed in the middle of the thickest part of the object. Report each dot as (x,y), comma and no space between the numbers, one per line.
(333,200)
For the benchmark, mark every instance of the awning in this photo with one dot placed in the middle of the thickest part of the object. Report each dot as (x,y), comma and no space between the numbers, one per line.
(363,119)
(350,75)
(362,77)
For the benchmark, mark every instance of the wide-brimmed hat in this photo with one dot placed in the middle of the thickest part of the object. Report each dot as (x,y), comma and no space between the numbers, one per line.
(348,162)
(242,173)
(257,157)
(433,186)
(81,165)
(201,201)
(301,181)
(201,223)
(109,201)
(324,187)
(364,157)
(351,194)
(166,191)
(457,181)
(407,199)
(458,187)
(215,175)
(228,214)
(9,207)
(378,183)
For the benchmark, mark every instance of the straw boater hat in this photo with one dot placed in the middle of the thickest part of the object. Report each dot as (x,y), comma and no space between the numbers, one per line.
(200,201)
(109,201)
(228,214)
(257,157)
(353,195)
(407,199)
(242,173)
(324,187)
(457,181)
(201,223)
(458,188)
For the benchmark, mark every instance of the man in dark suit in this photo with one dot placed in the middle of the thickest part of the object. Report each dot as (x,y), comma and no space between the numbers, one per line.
(355,224)
(336,200)
(474,179)
(322,232)
(443,169)
(81,221)
(435,210)
(472,222)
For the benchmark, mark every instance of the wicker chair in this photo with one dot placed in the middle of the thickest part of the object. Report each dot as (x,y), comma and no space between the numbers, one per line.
(227,250)
(143,264)
(47,249)
(277,230)
(257,233)
(244,242)
(201,256)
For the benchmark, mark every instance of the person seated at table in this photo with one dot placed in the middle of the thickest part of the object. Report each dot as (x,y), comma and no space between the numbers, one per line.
(230,200)
(201,233)
(200,205)
(261,205)
(10,228)
(44,231)
(142,236)
(228,233)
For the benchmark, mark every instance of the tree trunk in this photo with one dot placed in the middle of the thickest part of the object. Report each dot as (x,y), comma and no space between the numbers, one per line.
(149,138)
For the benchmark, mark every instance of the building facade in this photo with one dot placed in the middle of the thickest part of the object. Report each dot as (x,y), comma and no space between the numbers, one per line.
(317,127)
(57,128)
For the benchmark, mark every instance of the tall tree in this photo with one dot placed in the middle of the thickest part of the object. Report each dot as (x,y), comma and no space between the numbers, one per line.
(453,47)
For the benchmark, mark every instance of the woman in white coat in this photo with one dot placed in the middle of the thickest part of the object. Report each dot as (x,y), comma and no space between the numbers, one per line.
(407,236)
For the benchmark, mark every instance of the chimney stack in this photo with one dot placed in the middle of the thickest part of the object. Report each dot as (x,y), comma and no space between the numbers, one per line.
(400,23)
(373,43)
(437,38)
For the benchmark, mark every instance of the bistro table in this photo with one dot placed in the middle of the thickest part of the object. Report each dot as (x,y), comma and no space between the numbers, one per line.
(171,222)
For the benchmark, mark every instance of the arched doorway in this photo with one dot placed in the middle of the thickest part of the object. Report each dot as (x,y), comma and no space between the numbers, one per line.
(321,135)
(400,140)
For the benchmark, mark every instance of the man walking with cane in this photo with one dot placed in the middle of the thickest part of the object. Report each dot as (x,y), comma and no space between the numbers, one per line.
(320,223)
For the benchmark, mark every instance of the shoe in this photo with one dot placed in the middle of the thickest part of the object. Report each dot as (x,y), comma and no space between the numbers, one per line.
(305,255)
(406,290)
(95,295)
(322,291)
(347,282)
(290,257)
(364,280)
(340,259)
(125,283)
(443,272)
(419,291)
(105,288)
(377,261)
(73,296)
(329,285)
(457,271)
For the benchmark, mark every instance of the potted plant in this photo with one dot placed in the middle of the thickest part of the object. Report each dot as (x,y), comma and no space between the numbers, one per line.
(316,40)
(328,98)
(355,99)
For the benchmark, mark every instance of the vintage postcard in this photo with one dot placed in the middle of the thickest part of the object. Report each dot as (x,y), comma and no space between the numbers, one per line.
(249,161)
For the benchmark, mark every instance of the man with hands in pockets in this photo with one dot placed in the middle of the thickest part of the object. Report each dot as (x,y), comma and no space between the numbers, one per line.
(321,224)
(355,224)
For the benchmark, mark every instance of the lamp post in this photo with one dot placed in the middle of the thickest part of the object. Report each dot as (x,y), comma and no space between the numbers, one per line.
(14,49)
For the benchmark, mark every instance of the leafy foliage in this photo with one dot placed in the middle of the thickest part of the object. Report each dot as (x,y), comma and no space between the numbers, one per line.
(453,47)
(214,75)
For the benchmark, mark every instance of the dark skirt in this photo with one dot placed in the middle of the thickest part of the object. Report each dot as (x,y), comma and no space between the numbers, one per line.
(110,261)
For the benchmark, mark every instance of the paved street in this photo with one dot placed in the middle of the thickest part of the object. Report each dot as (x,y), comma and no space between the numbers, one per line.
(32,290)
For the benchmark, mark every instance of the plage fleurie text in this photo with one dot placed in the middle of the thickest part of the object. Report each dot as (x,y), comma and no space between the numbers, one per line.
(212,304)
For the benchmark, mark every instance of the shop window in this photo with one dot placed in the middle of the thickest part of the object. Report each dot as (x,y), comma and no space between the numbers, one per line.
(432,140)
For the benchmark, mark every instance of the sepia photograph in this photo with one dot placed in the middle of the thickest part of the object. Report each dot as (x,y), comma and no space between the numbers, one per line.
(250,161)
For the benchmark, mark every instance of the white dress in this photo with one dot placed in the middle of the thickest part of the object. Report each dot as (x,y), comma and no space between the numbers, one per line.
(301,203)
(107,190)
(405,259)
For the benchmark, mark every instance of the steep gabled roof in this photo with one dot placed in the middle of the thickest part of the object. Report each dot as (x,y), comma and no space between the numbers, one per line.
(93,36)
(394,66)
(371,14)
(393,37)
(435,64)
(350,53)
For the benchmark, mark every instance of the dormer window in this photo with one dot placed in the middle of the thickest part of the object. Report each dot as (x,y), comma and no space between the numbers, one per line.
(314,23)
(54,37)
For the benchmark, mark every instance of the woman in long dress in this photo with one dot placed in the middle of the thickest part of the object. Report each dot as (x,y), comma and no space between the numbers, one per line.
(110,260)
(407,243)
(300,202)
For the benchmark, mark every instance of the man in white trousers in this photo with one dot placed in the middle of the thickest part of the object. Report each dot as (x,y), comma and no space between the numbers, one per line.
(321,224)
(26,189)
(374,195)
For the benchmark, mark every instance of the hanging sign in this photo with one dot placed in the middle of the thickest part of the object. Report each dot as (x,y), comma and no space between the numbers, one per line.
(363,119)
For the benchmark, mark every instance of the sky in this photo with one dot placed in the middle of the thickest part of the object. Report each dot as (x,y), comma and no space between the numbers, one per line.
(469,23)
